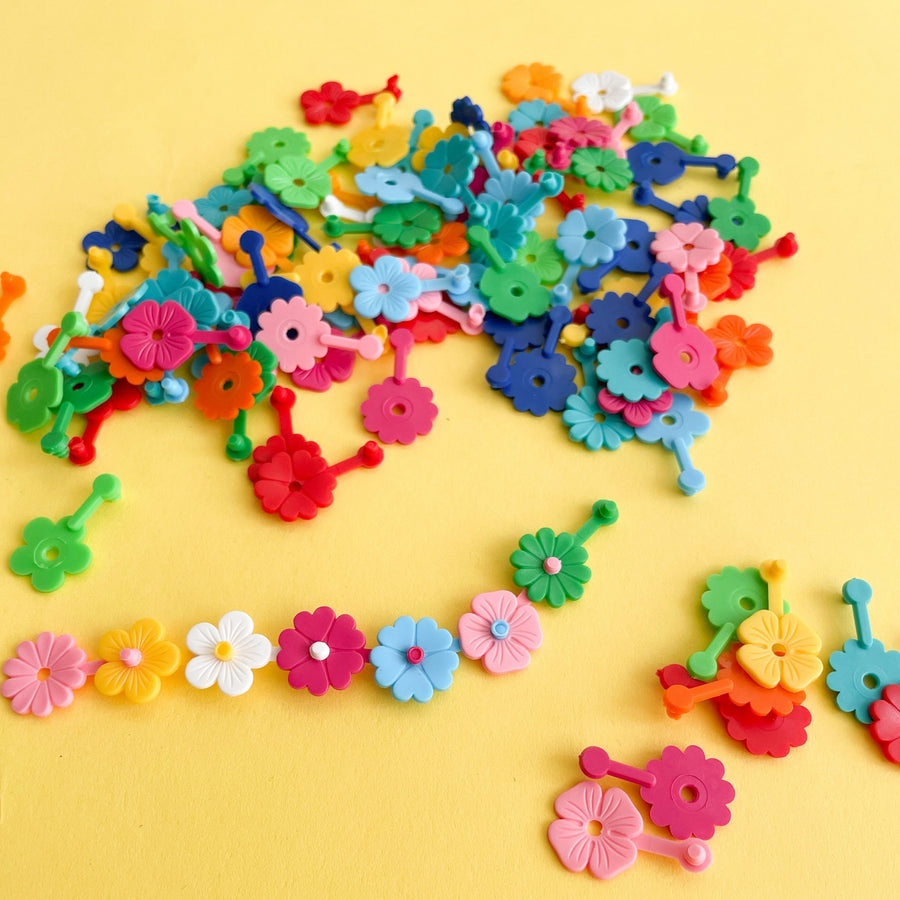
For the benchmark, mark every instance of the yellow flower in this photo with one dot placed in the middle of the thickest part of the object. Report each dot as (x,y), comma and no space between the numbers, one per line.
(135,661)
(429,138)
(779,650)
(325,278)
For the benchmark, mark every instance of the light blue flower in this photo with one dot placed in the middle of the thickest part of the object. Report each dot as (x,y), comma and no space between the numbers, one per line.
(592,426)
(591,237)
(507,228)
(449,166)
(533,113)
(627,369)
(414,659)
(389,185)
(384,289)
(222,202)
(860,674)
(680,422)
(517,188)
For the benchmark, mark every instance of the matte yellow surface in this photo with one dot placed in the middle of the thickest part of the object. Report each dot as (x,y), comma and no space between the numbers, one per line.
(279,794)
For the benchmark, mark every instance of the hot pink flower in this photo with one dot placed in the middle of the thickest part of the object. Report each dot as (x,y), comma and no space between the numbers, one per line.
(44,673)
(579,131)
(158,335)
(500,631)
(321,651)
(578,846)
(771,733)
(636,414)
(687,246)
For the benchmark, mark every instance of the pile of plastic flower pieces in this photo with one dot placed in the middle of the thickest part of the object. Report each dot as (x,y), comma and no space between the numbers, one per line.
(758,683)
(601,830)
(460,233)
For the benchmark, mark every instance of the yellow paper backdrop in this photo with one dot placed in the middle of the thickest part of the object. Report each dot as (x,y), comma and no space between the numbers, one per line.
(279,794)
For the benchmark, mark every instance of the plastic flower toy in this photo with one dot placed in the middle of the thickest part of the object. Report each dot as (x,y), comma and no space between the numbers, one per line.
(601,168)
(590,237)
(157,335)
(221,202)
(532,82)
(501,631)
(226,655)
(321,651)
(385,289)
(298,181)
(449,166)
(414,659)
(627,369)
(885,727)
(450,241)
(541,257)
(325,278)
(44,673)
(552,566)
(278,238)
(606,91)
(590,425)
(687,246)
(226,387)
(772,734)
(136,661)
(331,103)
(294,485)
(179,286)
(407,224)
(124,244)
(531,113)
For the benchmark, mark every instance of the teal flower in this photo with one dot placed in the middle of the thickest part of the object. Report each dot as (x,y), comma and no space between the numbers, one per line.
(591,426)
(627,369)
(535,113)
(221,202)
(449,166)
(551,566)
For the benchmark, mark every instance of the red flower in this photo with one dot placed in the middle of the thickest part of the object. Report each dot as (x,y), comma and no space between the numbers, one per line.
(430,326)
(743,271)
(294,485)
(885,727)
(331,103)
(772,734)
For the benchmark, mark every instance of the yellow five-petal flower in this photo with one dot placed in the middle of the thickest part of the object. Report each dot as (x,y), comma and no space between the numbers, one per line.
(136,660)
(779,650)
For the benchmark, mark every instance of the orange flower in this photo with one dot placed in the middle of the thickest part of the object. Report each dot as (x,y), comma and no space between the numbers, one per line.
(449,241)
(228,386)
(278,238)
(715,279)
(120,366)
(747,692)
(739,344)
(534,82)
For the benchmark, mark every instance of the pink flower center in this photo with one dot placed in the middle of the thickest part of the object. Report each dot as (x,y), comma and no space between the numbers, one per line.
(552,565)
(131,656)
(415,655)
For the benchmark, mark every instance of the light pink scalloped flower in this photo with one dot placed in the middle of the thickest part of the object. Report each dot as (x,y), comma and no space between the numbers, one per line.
(501,631)
(595,830)
(687,246)
(44,673)
(158,335)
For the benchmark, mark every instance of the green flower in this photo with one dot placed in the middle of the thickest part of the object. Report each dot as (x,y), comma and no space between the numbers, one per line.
(406,224)
(298,181)
(659,119)
(737,221)
(550,566)
(601,168)
(541,257)
(276,143)
(30,398)
(50,552)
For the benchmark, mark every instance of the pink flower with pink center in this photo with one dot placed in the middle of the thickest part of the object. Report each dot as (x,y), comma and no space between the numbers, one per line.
(687,246)
(501,631)
(158,335)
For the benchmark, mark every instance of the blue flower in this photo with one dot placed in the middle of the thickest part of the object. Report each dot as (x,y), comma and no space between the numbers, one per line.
(414,659)
(619,317)
(389,185)
(681,422)
(517,188)
(590,237)
(127,245)
(627,369)
(860,674)
(507,228)
(532,113)
(222,202)
(384,289)
(449,166)
(469,114)
(592,426)
(539,383)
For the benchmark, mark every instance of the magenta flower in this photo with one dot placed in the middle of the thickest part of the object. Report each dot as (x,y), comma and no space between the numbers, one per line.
(44,673)
(500,631)
(690,796)
(595,830)
(158,335)
(687,246)
(321,651)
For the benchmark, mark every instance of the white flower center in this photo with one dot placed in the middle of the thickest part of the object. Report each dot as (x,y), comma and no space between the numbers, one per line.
(319,650)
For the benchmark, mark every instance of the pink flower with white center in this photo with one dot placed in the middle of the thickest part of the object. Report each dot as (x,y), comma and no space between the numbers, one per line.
(501,631)
(158,335)
(687,246)
(44,673)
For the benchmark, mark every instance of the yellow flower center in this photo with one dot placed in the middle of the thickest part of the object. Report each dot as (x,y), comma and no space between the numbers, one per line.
(224,651)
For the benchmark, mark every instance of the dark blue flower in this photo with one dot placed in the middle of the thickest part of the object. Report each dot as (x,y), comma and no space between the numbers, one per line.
(124,244)
(469,114)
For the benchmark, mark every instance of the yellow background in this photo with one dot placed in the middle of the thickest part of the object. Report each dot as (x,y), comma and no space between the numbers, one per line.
(281,794)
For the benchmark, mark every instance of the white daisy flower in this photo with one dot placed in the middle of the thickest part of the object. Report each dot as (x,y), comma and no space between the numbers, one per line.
(226,655)
(608,90)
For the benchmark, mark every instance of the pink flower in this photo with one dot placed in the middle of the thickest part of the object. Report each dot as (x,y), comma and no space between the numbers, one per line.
(44,673)
(398,411)
(885,727)
(690,796)
(579,131)
(158,335)
(293,331)
(573,834)
(321,651)
(636,414)
(687,246)
(500,631)
(336,365)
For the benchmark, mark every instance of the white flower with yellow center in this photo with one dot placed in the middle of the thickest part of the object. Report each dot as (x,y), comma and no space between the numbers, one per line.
(226,655)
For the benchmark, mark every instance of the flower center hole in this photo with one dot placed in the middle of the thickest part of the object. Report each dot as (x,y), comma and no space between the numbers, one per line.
(326,277)
(448,169)
(383,288)
(531,258)
(537,381)
(684,356)
(398,409)
(295,486)
(688,246)
(32,394)
(689,794)
(223,208)
(377,144)
(668,420)
(116,248)
(594,828)
(50,554)
(622,323)
(599,417)
(517,290)
(779,650)
(299,182)
(157,334)
(227,385)
(632,245)
(278,144)
(589,235)
(871,681)
(42,674)
(746,603)
(223,651)
(737,220)
(292,334)
(636,370)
